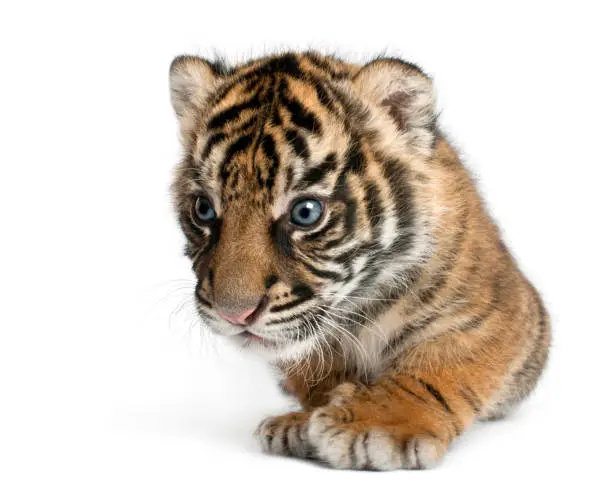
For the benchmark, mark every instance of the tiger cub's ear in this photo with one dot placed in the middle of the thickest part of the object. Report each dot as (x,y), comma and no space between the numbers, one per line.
(192,81)
(402,90)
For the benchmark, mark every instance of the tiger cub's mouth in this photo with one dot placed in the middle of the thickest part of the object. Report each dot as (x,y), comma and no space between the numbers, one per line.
(253,339)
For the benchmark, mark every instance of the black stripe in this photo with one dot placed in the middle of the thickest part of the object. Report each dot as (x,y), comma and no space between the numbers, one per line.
(281,237)
(536,360)
(449,262)
(219,137)
(325,274)
(356,112)
(367,463)
(433,435)
(436,394)
(300,116)
(289,179)
(286,63)
(334,243)
(334,433)
(419,464)
(428,294)
(355,160)
(396,175)
(276,117)
(189,228)
(405,452)
(344,257)
(349,415)
(334,71)
(202,299)
(213,239)
(352,451)
(259,175)
(285,440)
(232,113)
(407,330)
(327,101)
(323,96)
(387,296)
(269,149)
(472,323)
(471,398)
(341,190)
(271,280)
(236,147)
(478,320)
(373,205)
(302,290)
(252,84)
(205,315)
(189,251)
(406,389)
(341,194)
(248,123)
(288,306)
(298,143)
(303,293)
(456,428)
(331,223)
(316,174)
(288,319)
(213,140)
(350,217)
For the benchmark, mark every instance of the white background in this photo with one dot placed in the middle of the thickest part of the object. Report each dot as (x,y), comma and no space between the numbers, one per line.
(104,382)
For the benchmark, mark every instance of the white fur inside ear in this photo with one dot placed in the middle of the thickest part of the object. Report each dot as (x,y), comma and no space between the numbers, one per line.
(192,80)
(406,94)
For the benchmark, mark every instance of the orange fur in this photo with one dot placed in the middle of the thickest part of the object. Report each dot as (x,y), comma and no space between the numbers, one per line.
(438,327)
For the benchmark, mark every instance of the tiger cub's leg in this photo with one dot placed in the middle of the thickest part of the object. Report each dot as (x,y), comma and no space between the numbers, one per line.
(400,422)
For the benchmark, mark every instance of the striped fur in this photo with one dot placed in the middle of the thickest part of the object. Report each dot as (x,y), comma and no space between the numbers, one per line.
(397,320)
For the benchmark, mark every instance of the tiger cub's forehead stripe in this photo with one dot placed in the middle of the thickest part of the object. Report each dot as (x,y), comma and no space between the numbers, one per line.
(298,143)
(316,174)
(300,115)
(234,112)
(269,149)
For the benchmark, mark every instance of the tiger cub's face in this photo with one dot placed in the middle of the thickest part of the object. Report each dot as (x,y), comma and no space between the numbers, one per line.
(287,195)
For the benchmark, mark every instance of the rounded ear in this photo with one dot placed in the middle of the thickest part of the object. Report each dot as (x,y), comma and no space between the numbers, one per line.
(192,81)
(401,89)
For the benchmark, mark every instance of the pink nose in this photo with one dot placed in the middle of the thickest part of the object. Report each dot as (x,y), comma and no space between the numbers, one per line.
(238,319)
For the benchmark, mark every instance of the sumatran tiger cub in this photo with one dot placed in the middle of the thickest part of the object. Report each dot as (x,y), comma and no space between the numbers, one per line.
(333,229)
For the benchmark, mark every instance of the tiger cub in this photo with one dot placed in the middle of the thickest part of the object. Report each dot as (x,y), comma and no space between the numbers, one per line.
(333,229)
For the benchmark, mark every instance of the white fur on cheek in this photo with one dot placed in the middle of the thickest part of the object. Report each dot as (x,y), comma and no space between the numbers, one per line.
(389,228)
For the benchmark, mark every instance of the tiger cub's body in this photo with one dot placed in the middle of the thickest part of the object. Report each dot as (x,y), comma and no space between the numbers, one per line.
(398,317)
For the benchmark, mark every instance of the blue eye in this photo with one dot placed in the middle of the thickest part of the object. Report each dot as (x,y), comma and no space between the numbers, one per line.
(306,212)
(204,210)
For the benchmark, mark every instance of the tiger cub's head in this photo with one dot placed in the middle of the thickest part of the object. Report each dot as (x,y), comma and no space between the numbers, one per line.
(294,193)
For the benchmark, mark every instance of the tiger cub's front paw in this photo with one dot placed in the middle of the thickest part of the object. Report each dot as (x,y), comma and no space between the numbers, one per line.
(286,435)
(340,439)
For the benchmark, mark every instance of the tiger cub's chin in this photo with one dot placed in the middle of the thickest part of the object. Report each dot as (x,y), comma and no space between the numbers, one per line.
(275,350)
(333,229)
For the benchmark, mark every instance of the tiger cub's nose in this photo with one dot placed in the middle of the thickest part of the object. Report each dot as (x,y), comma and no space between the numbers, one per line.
(240,318)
